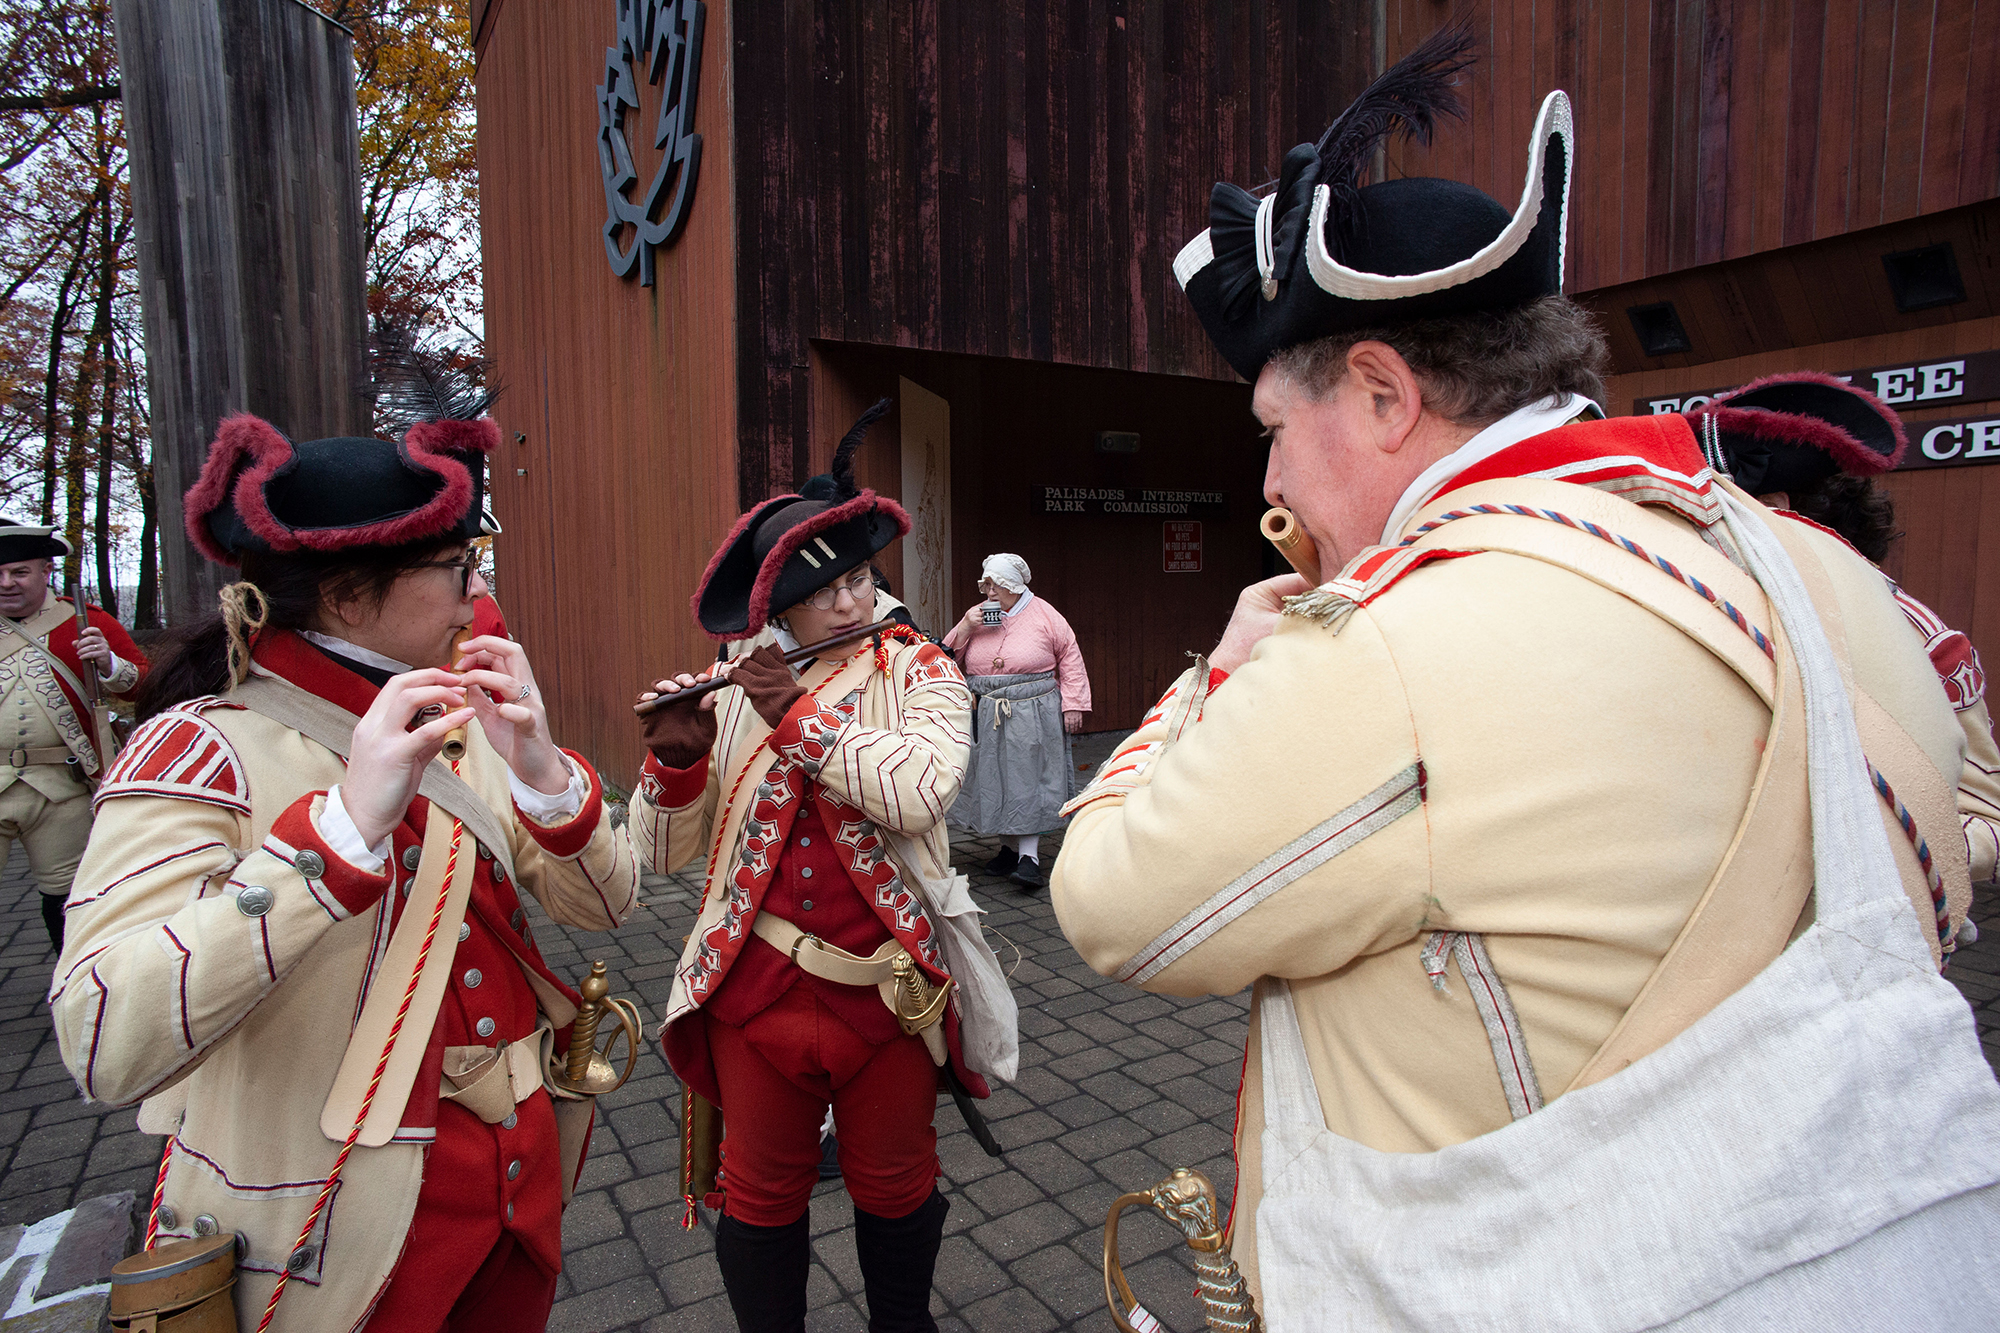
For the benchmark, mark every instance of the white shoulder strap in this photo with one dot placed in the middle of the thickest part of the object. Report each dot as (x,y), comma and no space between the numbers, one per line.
(1290,1095)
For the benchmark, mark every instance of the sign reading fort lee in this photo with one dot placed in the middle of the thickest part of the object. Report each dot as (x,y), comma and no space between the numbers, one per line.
(1128,500)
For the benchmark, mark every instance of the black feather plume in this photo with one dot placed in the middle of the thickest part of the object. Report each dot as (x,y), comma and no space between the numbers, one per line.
(842,470)
(414,383)
(1408,99)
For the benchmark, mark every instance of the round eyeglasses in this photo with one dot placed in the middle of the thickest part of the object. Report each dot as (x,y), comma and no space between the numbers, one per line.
(860,585)
(472,562)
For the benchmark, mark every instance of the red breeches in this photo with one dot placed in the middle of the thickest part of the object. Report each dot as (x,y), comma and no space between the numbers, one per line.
(778,1074)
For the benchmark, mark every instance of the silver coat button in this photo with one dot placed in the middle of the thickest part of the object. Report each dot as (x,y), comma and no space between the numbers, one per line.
(520,917)
(309,863)
(485,853)
(254,900)
(805,842)
(499,873)
(411,856)
(807,904)
(300,1259)
(484,1027)
(510,1212)
(805,872)
(511,1121)
(473,976)
(464,931)
(514,1170)
(205,1226)
(168,1217)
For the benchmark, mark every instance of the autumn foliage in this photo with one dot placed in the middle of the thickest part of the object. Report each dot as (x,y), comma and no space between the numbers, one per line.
(75,448)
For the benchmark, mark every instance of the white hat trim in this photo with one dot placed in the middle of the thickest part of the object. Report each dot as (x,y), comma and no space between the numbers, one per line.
(1354,285)
(1195,256)
(30,530)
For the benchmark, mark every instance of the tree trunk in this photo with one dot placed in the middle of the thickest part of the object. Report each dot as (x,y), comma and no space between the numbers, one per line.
(146,604)
(52,386)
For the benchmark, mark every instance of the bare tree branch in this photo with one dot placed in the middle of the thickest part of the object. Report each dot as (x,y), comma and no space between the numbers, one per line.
(88,95)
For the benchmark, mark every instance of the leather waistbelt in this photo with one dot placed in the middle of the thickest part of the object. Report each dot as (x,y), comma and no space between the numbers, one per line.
(826,961)
(490,1081)
(20,757)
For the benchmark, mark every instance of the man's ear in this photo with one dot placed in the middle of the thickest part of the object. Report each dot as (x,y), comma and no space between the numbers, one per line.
(347,610)
(1378,370)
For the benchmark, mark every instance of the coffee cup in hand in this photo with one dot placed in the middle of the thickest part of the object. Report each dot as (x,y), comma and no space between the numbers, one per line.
(990,613)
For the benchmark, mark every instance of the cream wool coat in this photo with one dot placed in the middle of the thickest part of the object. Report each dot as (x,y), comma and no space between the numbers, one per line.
(900,762)
(1583,766)
(234,1025)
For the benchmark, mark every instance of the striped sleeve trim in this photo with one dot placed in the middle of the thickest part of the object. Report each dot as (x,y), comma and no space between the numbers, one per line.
(179,754)
(1377,810)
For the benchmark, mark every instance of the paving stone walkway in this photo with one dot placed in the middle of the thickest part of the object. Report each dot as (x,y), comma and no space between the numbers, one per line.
(1116,1088)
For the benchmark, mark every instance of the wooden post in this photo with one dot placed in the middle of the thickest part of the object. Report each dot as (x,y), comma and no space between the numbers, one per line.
(246,190)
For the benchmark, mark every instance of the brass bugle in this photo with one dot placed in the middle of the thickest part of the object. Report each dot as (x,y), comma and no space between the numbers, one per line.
(454,740)
(647,707)
(1284,531)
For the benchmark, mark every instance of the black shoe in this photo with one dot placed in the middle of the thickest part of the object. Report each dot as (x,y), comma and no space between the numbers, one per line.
(1004,863)
(829,1158)
(764,1272)
(1028,874)
(898,1256)
(53,907)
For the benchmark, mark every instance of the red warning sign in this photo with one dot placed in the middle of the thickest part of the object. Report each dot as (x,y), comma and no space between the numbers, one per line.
(1180,546)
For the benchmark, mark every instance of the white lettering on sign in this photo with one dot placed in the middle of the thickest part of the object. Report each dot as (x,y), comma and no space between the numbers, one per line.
(1896,386)
(1944,379)
(1985,440)
(1933,442)
(1180,547)
(1664,407)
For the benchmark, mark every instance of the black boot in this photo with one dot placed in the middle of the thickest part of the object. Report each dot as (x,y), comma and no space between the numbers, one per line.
(52,917)
(764,1272)
(1004,862)
(898,1256)
(1028,874)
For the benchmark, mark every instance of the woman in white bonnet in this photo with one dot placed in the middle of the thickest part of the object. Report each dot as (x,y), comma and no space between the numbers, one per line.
(1030,693)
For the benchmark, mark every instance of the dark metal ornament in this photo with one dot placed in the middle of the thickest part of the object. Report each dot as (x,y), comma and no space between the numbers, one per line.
(663,37)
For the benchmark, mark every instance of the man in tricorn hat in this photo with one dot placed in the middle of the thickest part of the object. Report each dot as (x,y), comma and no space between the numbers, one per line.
(301,937)
(55,745)
(837,959)
(1516,796)
(1812,444)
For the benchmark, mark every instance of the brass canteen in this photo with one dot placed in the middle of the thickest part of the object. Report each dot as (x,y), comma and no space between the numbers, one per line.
(587,1069)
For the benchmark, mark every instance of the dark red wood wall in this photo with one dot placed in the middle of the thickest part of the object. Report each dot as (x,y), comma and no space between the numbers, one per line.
(1712,129)
(1000,177)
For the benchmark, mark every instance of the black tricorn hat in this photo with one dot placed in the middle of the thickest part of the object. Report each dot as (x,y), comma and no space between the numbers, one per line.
(258,491)
(790,546)
(1790,432)
(1321,255)
(30,541)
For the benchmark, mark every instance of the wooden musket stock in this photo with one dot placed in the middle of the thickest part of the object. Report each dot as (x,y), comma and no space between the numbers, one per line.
(647,707)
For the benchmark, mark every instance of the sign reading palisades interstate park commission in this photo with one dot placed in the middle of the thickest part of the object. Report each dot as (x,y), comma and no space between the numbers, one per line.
(1971,378)
(1180,546)
(1114,500)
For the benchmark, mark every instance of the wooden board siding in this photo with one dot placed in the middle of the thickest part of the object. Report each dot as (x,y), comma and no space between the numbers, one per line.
(1949,553)
(1016,425)
(247,195)
(617,469)
(1805,295)
(1005,179)
(1709,131)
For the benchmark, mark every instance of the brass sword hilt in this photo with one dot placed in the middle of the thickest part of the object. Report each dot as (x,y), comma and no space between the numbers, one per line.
(586,1069)
(1186,1199)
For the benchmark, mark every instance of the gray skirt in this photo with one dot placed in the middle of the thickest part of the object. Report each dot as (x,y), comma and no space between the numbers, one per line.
(1020,772)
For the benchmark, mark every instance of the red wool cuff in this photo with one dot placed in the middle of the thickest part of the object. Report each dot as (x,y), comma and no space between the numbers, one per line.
(1216,675)
(355,889)
(564,841)
(675,787)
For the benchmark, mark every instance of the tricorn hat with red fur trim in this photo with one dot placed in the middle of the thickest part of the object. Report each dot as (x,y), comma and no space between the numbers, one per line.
(791,546)
(1790,432)
(259,491)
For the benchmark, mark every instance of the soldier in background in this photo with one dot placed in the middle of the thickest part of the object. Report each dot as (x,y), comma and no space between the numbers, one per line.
(54,751)
(1813,448)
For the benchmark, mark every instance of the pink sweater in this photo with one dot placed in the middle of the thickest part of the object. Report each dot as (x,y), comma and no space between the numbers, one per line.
(1034,639)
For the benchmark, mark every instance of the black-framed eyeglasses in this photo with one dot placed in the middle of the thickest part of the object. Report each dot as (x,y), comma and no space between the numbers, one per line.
(472,562)
(860,586)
